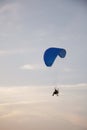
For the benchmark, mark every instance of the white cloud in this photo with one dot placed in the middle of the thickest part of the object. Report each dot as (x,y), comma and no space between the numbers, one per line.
(27,67)
(31,67)
(75,85)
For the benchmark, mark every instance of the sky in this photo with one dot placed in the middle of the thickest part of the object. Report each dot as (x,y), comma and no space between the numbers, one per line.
(28,28)
(33,108)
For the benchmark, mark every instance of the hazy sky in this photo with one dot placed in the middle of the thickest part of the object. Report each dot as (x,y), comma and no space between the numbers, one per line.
(28,27)
(33,108)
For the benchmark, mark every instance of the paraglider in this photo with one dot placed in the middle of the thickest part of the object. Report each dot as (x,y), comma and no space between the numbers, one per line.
(51,54)
(49,57)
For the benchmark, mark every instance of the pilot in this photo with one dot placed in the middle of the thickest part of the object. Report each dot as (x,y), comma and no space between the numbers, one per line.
(56,92)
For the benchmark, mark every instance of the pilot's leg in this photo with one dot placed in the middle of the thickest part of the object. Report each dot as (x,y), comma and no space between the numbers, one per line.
(53,94)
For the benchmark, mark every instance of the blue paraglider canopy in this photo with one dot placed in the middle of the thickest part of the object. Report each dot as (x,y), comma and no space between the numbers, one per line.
(51,54)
